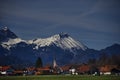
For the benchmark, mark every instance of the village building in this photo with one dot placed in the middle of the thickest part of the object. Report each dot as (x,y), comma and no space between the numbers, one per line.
(43,70)
(69,69)
(6,70)
(83,69)
(73,71)
(106,69)
(66,69)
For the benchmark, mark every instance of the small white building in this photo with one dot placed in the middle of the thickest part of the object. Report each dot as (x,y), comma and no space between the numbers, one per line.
(73,71)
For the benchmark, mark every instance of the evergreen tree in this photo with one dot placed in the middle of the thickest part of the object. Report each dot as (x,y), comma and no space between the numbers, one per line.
(38,62)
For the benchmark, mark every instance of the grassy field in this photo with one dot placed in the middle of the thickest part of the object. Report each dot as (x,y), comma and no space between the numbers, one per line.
(60,77)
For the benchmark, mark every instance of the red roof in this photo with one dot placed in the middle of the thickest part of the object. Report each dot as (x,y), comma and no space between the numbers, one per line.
(66,67)
(43,68)
(4,68)
(107,68)
(83,68)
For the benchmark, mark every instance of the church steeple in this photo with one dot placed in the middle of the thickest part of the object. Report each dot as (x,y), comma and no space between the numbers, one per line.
(56,68)
(54,63)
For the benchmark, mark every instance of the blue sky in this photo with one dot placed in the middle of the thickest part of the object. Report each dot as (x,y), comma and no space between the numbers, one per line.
(96,23)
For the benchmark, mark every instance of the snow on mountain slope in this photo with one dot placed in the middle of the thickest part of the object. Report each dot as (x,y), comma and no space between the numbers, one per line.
(63,41)
(12,42)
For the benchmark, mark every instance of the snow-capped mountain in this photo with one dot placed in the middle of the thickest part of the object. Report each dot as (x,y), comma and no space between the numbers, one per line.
(66,50)
(62,40)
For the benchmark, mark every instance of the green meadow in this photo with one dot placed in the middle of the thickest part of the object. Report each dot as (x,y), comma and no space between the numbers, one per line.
(60,77)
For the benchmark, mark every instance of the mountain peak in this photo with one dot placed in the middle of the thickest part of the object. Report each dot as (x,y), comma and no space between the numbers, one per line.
(6,33)
(63,35)
(5,28)
(59,36)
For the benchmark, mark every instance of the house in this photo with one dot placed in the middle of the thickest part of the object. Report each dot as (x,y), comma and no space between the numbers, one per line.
(73,71)
(6,70)
(65,69)
(83,69)
(106,69)
(43,70)
(69,69)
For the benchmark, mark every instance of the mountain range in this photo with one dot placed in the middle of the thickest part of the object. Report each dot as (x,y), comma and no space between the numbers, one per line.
(62,47)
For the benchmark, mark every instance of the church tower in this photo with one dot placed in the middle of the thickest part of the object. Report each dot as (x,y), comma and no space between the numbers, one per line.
(54,63)
(56,68)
